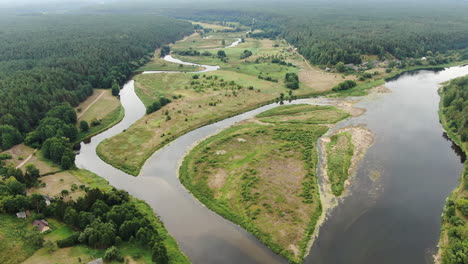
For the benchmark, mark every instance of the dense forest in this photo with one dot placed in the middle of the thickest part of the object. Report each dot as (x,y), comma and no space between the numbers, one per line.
(47,60)
(326,36)
(454,116)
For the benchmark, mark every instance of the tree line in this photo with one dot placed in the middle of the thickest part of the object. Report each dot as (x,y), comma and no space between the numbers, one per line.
(454,113)
(47,60)
(327,36)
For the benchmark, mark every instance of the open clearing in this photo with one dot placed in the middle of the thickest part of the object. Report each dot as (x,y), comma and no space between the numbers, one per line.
(101,108)
(206,98)
(159,64)
(263,176)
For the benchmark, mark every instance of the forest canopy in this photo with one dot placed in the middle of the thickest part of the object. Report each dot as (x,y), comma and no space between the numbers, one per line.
(327,35)
(47,60)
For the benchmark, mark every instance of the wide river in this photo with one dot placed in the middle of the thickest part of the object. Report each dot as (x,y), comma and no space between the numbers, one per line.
(395,219)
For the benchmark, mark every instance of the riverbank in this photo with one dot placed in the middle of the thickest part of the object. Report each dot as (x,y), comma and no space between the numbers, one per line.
(455,217)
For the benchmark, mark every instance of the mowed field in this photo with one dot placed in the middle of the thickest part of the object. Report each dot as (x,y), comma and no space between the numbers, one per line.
(263,175)
(103,108)
(200,99)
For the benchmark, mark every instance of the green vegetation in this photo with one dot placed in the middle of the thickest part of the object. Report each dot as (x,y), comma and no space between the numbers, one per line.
(200,99)
(453,115)
(158,64)
(48,60)
(16,239)
(346,85)
(100,112)
(303,113)
(82,226)
(340,151)
(263,177)
(328,34)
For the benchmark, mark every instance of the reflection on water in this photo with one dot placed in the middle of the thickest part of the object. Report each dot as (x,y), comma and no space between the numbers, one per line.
(396,219)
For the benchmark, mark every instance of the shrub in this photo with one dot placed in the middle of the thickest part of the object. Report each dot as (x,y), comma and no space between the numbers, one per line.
(346,85)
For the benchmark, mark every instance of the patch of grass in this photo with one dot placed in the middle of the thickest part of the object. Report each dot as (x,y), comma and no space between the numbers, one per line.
(205,101)
(303,113)
(340,151)
(15,246)
(158,64)
(102,107)
(107,122)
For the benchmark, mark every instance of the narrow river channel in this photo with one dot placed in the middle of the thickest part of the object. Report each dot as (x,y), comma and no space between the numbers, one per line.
(401,221)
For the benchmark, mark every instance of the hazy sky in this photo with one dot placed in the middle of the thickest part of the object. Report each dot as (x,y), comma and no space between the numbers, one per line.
(41,5)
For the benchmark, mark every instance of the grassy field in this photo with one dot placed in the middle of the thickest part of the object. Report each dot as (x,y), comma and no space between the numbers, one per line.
(305,114)
(101,107)
(14,239)
(262,176)
(340,151)
(196,102)
(159,64)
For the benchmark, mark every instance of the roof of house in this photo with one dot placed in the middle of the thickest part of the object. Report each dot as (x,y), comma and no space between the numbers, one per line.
(21,214)
(42,225)
(97,261)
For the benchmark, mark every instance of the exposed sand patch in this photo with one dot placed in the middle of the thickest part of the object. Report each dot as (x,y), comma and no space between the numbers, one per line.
(218,180)
(381,89)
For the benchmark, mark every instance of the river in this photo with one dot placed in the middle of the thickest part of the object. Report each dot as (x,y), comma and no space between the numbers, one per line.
(419,169)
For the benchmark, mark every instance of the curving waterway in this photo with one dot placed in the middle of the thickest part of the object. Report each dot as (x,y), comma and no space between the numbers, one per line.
(399,222)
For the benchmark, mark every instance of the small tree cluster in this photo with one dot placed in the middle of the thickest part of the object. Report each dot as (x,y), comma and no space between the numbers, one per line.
(155,106)
(292,81)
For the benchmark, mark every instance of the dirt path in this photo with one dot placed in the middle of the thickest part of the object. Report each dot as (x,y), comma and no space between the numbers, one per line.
(26,160)
(89,106)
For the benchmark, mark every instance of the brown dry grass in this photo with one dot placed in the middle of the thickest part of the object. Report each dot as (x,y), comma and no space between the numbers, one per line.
(100,108)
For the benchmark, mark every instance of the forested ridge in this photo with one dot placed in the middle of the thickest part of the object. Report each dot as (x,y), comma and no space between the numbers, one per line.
(47,60)
(454,117)
(326,36)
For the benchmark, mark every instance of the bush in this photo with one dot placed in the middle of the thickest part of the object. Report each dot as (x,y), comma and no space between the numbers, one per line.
(84,126)
(346,85)
(113,253)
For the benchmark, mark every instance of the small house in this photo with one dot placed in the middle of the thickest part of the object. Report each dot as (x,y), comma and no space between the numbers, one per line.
(97,261)
(42,225)
(47,199)
(21,215)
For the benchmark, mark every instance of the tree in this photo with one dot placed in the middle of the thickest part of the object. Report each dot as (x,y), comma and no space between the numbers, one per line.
(15,204)
(37,202)
(340,67)
(115,89)
(292,81)
(221,54)
(166,50)
(84,126)
(15,187)
(31,175)
(9,136)
(98,234)
(64,112)
(159,254)
(113,253)
(71,216)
